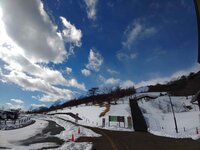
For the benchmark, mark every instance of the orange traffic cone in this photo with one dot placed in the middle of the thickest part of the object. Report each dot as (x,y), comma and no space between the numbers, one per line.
(197,131)
(72,137)
(79,131)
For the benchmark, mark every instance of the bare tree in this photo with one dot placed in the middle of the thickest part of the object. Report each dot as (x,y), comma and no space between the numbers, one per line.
(116,93)
(106,89)
(92,92)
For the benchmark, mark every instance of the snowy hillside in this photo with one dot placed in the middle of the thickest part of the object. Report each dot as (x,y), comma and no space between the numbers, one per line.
(90,114)
(157,113)
(159,117)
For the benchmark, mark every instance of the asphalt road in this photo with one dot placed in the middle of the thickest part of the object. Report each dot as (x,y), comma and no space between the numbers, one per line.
(123,140)
(117,140)
(47,135)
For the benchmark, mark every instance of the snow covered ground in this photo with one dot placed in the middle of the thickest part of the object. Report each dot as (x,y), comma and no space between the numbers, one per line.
(87,113)
(159,117)
(70,129)
(157,113)
(11,138)
(90,115)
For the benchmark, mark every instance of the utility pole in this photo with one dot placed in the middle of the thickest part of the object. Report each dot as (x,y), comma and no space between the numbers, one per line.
(197,8)
(173,113)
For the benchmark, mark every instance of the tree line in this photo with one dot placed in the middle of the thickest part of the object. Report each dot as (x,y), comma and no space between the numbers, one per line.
(183,86)
(94,96)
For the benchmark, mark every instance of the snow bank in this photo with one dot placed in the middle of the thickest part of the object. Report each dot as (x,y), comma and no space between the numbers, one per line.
(70,129)
(10,138)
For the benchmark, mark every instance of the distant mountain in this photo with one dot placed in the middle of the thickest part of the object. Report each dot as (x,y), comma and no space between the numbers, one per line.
(183,86)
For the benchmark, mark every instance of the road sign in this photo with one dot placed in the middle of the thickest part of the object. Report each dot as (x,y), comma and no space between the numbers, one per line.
(120,118)
(117,119)
(113,118)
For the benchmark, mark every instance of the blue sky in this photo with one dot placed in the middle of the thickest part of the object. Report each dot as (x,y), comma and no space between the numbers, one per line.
(56,50)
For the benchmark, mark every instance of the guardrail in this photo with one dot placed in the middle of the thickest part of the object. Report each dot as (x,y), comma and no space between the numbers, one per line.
(14,124)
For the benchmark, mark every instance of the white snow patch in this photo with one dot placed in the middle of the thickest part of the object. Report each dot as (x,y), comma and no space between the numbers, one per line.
(34,146)
(70,129)
(10,138)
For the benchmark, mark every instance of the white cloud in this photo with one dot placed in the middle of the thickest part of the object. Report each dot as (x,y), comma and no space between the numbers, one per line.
(91,8)
(156,54)
(136,31)
(36,84)
(71,34)
(126,84)
(85,72)
(126,56)
(112,72)
(35,97)
(74,83)
(33,77)
(162,80)
(68,70)
(112,81)
(131,34)
(28,45)
(15,61)
(19,101)
(95,61)
(27,24)
(116,82)
(15,104)
(38,105)
(109,81)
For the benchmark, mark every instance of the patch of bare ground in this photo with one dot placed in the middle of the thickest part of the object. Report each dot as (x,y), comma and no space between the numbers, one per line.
(105,111)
